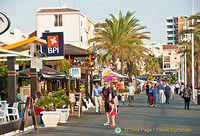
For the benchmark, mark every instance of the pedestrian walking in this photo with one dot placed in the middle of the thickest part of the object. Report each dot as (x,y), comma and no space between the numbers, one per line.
(187,92)
(123,99)
(172,91)
(96,96)
(107,94)
(167,93)
(154,90)
(161,89)
(131,92)
(181,90)
(112,112)
(151,99)
(115,97)
(177,86)
(147,88)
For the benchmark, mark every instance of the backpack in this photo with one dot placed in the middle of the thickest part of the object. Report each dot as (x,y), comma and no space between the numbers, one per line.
(187,93)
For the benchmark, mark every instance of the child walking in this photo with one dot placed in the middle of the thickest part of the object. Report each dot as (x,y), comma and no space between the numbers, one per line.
(122,99)
(112,112)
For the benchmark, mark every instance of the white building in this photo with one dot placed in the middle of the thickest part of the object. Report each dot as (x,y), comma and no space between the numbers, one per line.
(155,47)
(75,25)
(171,58)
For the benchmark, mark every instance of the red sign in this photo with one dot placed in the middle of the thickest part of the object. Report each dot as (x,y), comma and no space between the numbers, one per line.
(52,41)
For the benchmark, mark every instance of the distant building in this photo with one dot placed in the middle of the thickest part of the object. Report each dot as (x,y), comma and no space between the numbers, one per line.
(156,48)
(75,25)
(171,58)
(174,26)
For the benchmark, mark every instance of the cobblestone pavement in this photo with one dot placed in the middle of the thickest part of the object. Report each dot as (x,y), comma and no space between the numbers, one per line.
(164,119)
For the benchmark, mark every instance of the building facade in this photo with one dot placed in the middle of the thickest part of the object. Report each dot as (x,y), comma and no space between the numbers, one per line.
(75,25)
(174,26)
(156,48)
(171,58)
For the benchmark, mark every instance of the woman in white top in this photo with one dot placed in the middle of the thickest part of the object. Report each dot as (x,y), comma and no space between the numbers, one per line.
(172,91)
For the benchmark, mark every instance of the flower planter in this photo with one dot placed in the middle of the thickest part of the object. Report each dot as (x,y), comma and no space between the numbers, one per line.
(50,118)
(64,115)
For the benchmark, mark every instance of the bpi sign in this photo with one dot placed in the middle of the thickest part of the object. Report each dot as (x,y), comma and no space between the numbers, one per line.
(4,23)
(54,47)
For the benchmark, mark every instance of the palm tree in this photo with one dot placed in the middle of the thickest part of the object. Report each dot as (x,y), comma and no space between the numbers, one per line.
(152,64)
(196,32)
(131,38)
(121,37)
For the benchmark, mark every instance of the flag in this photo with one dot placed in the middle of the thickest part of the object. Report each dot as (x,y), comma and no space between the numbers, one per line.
(107,60)
(96,65)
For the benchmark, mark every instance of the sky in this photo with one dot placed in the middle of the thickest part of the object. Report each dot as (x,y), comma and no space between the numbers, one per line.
(151,13)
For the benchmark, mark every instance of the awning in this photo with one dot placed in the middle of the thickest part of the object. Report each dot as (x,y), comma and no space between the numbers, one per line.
(45,72)
(109,72)
(110,78)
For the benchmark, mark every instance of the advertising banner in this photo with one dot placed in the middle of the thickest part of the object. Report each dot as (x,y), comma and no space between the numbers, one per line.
(55,45)
(75,72)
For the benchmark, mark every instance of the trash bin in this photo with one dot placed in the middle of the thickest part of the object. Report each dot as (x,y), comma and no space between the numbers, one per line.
(198,97)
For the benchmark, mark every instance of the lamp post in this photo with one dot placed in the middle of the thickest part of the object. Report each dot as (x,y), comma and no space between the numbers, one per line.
(193,53)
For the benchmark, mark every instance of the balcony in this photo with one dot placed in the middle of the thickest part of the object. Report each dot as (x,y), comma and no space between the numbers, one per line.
(170,23)
(170,35)
(170,29)
(170,41)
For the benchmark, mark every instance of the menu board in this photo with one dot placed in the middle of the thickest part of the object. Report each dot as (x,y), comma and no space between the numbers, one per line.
(76,99)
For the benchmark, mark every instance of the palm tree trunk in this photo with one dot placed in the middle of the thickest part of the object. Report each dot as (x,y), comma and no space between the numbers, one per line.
(130,70)
(135,75)
(114,58)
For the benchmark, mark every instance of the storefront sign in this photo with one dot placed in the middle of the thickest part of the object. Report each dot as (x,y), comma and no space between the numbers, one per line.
(54,48)
(4,23)
(75,72)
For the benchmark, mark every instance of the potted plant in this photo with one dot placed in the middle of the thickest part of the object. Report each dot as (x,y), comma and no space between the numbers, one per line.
(50,116)
(63,107)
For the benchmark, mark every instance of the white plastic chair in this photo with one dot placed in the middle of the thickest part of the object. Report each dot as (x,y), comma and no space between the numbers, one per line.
(4,108)
(15,112)
(2,116)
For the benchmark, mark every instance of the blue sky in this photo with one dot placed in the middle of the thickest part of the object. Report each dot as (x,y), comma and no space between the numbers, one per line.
(152,13)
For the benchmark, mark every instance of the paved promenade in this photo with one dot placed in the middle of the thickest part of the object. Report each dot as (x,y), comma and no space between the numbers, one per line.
(161,120)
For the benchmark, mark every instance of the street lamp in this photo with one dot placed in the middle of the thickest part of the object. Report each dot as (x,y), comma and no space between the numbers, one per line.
(193,53)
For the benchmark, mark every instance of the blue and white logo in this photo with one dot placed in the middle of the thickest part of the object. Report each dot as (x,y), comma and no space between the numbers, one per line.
(118,130)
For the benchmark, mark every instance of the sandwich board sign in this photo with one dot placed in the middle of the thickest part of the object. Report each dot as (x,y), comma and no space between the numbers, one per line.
(75,72)
(54,49)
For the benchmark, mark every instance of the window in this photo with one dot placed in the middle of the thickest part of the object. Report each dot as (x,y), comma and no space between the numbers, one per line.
(167,65)
(81,38)
(170,52)
(166,58)
(58,20)
(81,23)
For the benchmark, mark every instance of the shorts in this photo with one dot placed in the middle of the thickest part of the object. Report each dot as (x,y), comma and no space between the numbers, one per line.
(130,98)
(107,107)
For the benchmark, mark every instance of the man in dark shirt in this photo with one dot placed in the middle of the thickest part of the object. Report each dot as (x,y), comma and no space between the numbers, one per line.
(107,93)
(147,88)
(167,93)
